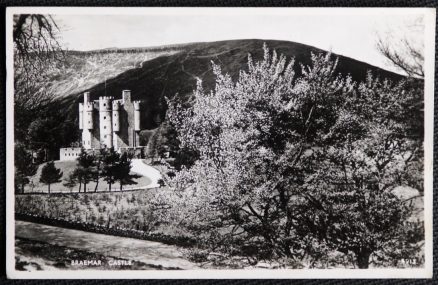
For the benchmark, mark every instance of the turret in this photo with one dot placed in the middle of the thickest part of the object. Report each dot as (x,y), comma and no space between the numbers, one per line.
(116,116)
(88,116)
(105,119)
(86,97)
(136,115)
(81,116)
(86,119)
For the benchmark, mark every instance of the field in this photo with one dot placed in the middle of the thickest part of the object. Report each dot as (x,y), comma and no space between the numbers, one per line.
(131,210)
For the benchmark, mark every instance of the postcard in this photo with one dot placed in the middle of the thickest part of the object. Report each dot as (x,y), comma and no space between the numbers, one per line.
(219,142)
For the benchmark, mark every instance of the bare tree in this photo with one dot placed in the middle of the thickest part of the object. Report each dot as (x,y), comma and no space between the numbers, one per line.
(404,52)
(37,50)
(35,41)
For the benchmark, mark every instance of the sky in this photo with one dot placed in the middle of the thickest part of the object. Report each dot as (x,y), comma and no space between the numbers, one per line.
(350,34)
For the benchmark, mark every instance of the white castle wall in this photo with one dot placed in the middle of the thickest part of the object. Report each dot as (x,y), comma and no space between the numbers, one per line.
(69,153)
(105,119)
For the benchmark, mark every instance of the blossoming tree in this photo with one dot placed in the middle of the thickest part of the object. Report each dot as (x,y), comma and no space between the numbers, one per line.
(268,147)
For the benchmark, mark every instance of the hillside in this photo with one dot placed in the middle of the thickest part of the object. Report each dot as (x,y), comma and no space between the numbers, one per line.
(170,74)
(83,70)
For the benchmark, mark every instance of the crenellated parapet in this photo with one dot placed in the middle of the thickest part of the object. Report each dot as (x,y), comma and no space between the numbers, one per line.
(137,105)
(116,105)
(105,103)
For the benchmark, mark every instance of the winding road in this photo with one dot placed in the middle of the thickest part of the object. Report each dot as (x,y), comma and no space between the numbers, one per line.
(138,166)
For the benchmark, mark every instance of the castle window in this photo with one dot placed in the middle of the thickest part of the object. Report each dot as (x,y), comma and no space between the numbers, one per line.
(104,117)
(104,104)
(104,136)
(104,127)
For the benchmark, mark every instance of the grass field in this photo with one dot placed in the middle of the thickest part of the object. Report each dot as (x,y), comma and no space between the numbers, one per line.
(67,167)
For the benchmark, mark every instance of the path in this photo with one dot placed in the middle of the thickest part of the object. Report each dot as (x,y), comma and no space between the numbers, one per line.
(138,166)
(149,252)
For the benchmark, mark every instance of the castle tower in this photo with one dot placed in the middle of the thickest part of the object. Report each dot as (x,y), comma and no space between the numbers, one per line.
(87,120)
(136,140)
(136,115)
(81,116)
(116,123)
(116,116)
(105,119)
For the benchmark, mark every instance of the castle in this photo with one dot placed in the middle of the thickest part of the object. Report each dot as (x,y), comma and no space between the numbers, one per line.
(107,123)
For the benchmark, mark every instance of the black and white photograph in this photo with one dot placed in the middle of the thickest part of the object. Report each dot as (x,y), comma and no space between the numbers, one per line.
(219,142)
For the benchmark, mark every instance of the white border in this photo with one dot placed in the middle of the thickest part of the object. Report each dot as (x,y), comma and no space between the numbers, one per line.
(426,272)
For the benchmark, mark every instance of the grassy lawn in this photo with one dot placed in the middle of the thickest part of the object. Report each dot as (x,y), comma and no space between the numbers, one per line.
(67,167)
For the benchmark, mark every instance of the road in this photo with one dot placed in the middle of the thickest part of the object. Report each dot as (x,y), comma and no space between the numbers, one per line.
(138,166)
(149,252)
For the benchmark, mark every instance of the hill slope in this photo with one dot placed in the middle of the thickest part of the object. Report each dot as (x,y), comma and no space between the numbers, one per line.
(176,73)
(82,70)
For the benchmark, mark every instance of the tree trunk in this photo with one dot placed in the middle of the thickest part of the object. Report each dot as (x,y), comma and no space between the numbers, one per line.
(109,186)
(48,186)
(85,187)
(121,186)
(97,184)
(80,186)
(363,258)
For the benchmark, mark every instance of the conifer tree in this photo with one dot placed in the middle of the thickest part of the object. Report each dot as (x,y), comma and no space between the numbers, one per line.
(85,169)
(123,169)
(50,174)
(24,167)
(109,165)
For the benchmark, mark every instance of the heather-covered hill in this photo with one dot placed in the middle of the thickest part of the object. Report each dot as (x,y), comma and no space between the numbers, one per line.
(83,70)
(176,73)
